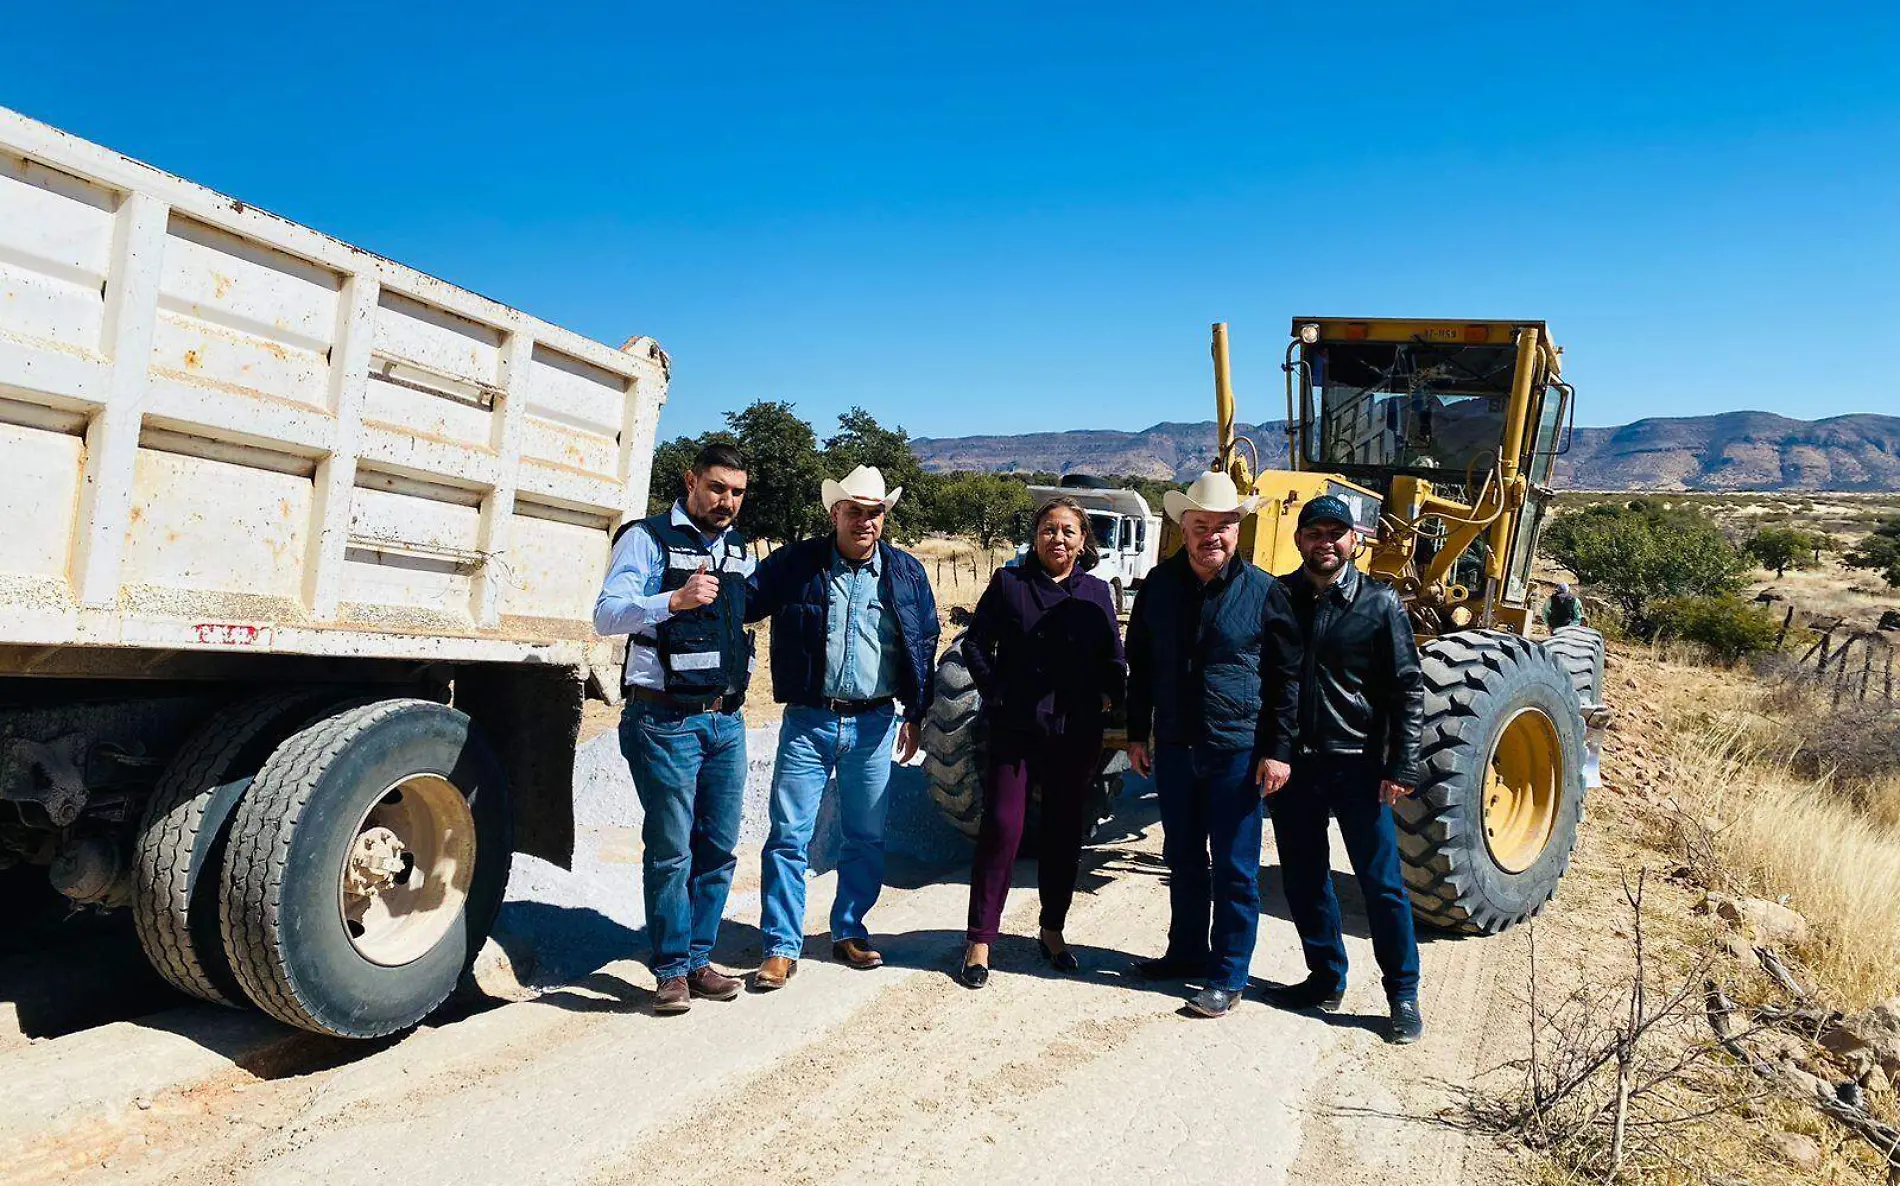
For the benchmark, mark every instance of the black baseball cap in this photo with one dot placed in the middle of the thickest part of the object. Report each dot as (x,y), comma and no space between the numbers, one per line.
(1327,507)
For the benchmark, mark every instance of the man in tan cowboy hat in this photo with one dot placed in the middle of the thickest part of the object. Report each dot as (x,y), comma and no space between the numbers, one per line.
(854,633)
(1213,699)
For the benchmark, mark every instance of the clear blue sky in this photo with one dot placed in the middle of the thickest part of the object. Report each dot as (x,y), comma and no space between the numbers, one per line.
(1005,218)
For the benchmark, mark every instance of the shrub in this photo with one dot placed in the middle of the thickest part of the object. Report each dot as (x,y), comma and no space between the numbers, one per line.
(1725,624)
(1641,553)
(1880,552)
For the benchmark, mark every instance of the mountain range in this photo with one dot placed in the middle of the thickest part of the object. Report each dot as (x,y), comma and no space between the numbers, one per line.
(1728,451)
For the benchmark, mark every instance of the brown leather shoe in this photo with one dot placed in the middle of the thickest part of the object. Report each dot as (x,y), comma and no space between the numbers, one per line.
(673,996)
(857,953)
(712,984)
(773,973)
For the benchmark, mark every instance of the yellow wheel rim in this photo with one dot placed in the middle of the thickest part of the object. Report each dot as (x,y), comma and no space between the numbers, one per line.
(1521,790)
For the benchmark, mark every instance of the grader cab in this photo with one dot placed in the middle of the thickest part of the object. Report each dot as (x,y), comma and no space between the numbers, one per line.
(1442,436)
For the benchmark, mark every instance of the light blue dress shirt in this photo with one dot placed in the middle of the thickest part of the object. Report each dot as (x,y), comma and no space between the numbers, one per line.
(860,633)
(630,600)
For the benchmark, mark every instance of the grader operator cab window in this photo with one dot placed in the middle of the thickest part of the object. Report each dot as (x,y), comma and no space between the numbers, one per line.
(1429,408)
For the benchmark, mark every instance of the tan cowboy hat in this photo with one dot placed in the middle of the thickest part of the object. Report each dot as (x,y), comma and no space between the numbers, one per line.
(864,486)
(1212,491)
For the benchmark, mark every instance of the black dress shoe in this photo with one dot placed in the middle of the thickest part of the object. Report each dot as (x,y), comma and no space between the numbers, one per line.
(1307,994)
(1061,961)
(1407,1025)
(1213,1002)
(974,975)
(1170,967)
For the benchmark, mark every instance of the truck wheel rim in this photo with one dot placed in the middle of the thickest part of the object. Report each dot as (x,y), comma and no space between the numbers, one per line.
(1521,790)
(406,876)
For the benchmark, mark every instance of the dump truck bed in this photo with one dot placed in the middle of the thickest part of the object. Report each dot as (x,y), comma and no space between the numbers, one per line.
(222,430)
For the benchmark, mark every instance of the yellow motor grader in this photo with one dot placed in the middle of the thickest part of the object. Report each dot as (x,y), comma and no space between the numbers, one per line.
(1442,436)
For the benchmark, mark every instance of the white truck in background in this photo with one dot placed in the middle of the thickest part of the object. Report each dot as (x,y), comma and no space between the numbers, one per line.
(1127,533)
(296,583)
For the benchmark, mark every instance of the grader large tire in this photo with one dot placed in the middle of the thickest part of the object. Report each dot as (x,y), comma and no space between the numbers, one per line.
(953,744)
(1490,830)
(955,757)
(365,866)
(1579,651)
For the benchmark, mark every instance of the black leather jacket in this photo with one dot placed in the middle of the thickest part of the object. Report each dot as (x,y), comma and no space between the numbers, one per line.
(1361,691)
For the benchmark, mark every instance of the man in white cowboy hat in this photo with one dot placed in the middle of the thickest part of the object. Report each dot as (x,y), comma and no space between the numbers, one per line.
(1213,701)
(854,633)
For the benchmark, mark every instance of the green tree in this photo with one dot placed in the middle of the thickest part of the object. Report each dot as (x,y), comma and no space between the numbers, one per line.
(1638,554)
(861,440)
(1879,552)
(668,480)
(1782,548)
(783,472)
(984,507)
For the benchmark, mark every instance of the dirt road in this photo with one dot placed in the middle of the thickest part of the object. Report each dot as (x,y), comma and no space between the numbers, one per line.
(899,1075)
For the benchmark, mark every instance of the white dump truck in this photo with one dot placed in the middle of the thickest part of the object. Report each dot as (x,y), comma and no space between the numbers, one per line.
(298,563)
(1127,532)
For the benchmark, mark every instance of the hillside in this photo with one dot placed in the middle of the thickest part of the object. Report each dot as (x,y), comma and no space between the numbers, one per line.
(1730,451)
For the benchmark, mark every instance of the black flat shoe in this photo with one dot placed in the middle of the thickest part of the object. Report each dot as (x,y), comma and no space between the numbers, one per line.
(974,975)
(1061,961)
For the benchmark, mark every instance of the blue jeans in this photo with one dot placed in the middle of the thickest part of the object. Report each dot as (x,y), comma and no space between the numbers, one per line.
(813,744)
(689,772)
(1210,805)
(1347,789)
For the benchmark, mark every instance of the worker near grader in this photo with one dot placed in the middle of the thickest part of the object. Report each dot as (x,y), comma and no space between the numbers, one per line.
(1563,609)
(1361,706)
(1213,687)
(676,585)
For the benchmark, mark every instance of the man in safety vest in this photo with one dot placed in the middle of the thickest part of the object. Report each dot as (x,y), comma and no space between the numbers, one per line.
(676,586)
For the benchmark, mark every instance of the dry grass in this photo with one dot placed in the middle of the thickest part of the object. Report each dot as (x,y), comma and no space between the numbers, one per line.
(1700,764)
(1829,847)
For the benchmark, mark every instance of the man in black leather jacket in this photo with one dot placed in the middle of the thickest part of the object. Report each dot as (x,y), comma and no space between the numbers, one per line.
(1362,703)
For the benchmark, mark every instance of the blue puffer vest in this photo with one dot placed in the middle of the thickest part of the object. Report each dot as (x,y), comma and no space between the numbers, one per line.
(792,586)
(1212,695)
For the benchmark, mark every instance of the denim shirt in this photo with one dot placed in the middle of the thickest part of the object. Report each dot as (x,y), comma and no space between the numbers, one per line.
(860,633)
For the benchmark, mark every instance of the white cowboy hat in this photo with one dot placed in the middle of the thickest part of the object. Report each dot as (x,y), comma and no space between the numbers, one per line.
(1212,491)
(864,486)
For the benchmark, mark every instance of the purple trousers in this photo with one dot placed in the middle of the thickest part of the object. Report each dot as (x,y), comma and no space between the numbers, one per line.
(1064,767)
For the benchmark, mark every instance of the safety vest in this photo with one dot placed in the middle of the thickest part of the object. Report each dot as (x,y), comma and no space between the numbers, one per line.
(704,651)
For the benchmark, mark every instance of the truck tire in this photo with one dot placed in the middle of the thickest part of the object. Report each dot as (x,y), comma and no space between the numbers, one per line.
(1579,651)
(182,835)
(1490,830)
(365,866)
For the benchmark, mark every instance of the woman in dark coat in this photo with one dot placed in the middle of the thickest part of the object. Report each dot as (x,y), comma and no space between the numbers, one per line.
(1046,654)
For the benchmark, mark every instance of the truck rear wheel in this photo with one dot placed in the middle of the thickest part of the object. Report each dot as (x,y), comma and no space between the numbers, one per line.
(365,866)
(182,835)
(1490,830)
